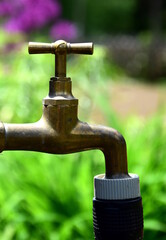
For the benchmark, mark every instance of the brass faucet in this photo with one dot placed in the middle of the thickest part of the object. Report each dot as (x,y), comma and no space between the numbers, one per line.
(59,131)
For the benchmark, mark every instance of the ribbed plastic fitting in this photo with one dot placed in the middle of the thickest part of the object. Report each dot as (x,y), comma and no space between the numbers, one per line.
(116,189)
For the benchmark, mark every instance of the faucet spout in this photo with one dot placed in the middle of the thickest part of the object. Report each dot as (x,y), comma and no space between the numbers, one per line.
(110,142)
(43,137)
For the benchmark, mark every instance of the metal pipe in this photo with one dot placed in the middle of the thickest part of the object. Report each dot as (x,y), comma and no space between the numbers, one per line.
(43,137)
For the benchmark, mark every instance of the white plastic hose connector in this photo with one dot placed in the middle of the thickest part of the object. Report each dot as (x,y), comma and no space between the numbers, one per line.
(116,189)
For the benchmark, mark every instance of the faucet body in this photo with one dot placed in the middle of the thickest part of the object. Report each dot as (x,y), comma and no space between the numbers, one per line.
(59,131)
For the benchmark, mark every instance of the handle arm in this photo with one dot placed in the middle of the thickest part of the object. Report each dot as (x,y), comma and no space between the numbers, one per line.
(60,47)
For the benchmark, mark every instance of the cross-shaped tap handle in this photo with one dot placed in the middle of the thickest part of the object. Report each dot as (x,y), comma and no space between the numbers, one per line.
(60,48)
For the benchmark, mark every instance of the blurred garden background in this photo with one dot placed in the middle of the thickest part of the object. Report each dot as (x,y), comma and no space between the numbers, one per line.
(49,197)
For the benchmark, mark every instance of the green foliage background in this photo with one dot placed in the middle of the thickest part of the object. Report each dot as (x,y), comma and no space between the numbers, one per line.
(45,196)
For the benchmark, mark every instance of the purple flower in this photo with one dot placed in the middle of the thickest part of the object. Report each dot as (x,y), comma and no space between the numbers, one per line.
(28,15)
(64,30)
(5,8)
(9,8)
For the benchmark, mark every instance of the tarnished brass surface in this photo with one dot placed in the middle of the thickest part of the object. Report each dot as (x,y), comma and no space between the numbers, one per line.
(59,131)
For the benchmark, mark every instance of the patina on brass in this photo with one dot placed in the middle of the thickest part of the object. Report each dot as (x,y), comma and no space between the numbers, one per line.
(59,131)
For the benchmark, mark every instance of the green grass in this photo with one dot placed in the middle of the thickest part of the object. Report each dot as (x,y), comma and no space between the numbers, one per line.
(45,196)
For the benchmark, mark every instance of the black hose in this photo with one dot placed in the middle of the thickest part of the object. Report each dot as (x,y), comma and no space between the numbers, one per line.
(118,219)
